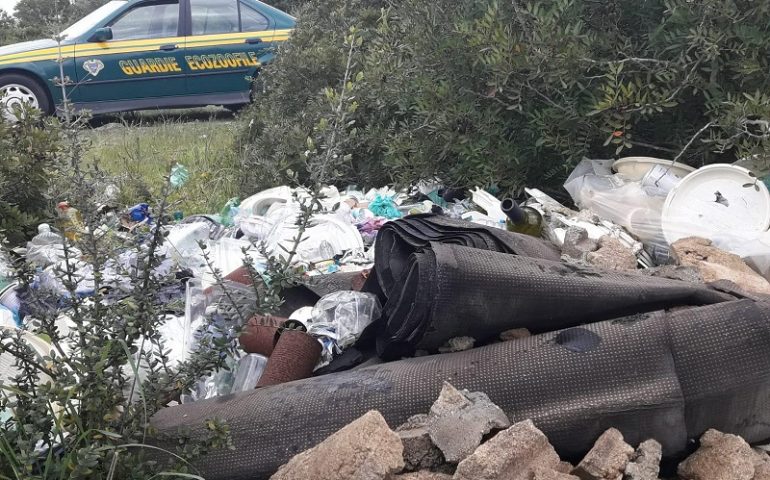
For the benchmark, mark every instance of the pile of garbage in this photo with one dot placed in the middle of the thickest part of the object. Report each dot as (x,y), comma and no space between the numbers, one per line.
(533,295)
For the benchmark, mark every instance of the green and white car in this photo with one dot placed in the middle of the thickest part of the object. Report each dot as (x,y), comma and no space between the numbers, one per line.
(142,54)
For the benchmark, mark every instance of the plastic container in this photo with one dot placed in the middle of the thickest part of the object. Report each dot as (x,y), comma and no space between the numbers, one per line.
(259,335)
(661,178)
(294,358)
(635,168)
(715,201)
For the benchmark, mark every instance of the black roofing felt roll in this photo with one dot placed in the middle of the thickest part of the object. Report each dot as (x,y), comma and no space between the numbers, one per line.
(663,375)
(443,278)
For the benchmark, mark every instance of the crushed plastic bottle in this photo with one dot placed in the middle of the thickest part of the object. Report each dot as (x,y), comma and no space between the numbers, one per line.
(47,248)
(179,175)
(229,211)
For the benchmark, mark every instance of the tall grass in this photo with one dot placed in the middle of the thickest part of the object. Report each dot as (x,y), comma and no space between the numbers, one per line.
(139,149)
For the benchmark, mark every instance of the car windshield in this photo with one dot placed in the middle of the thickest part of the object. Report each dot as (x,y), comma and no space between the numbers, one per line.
(92,19)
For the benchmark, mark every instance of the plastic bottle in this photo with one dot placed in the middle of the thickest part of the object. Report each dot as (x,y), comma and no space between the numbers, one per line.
(229,211)
(524,220)
(179,175)
(70,221)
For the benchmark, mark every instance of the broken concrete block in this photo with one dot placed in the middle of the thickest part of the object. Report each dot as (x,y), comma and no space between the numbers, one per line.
(365,449)
(577,244)
(645,464)
(419,451)
(551,474)
(607,459)
(612,255)
(513,454)
(457,344)
(721,456)
(421,475)
(459,420)
(515,334)
(715,264)
(761,465)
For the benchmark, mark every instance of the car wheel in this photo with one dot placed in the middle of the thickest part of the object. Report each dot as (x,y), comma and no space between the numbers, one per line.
(17,90)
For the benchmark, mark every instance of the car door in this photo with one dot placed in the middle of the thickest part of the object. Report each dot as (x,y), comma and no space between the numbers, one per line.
(143,60)
(228,40)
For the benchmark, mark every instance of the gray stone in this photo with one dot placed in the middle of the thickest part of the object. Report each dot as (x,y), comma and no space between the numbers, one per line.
(721,456)
(365,449)
(459,420)
(645,464)
(419,451)
(513,454)
(577,244)
(607,459)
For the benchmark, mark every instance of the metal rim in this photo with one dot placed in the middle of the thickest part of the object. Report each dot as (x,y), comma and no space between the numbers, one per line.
(13,97)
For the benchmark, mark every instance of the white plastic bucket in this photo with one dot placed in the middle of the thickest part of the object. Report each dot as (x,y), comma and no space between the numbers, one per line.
(662,178)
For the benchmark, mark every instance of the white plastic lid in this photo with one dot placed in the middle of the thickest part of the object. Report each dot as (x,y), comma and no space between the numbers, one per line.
(716,199)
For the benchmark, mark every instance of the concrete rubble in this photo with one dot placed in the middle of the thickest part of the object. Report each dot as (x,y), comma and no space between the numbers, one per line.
(577,243)
(419,450)
(366,449)
(458,421)
(612,255)
(645,462)
(608,458)
(513,454)
(716,264)
(723,456)
(421,475)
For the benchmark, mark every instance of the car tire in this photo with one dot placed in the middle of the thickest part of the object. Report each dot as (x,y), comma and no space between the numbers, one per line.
(16,88)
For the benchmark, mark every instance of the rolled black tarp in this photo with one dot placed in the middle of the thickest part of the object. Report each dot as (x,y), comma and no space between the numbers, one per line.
(448,290)
(399,239)
(663,375)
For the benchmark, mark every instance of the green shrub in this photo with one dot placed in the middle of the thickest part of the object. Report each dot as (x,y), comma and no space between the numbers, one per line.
(29,153)
(291,98)
(515,93)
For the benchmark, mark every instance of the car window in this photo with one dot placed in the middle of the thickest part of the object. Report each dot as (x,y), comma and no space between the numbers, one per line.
(252,20)
(92,19)
(148,20)
(214,16)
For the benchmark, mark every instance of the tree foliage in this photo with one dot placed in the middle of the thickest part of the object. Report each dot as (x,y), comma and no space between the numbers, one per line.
(514,93)
(34,19)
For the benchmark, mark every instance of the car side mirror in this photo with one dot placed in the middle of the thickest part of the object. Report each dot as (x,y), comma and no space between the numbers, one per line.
(101,35)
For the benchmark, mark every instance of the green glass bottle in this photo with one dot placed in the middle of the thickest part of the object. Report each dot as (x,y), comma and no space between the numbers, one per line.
(524,220)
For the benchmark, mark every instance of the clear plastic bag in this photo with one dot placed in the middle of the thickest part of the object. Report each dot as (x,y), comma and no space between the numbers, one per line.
(344,315)
(628,204)
(248,372)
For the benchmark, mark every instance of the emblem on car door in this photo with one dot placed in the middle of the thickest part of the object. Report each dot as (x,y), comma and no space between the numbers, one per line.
(93,66)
